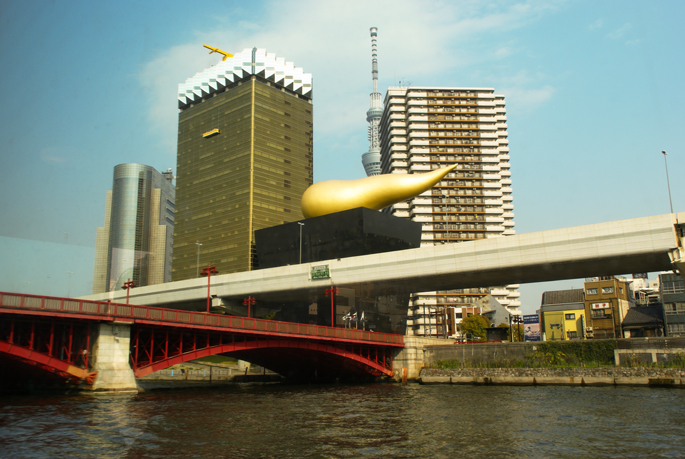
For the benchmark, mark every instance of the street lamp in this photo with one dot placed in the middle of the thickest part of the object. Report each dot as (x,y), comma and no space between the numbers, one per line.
(301,225)
(197,274)
(332,291)
(128,285)
(249,301)
(208,271)
(668,183)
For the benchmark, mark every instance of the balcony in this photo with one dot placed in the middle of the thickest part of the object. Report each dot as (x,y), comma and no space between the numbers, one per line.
(492,193)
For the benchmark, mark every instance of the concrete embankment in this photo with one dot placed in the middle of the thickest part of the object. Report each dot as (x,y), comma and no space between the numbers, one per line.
(664,377)
(194,374)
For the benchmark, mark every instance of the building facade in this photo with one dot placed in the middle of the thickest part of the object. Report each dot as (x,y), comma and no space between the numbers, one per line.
(672,291)
(136,240)
(607,300)
(245,157)
(426,128)
(563,315)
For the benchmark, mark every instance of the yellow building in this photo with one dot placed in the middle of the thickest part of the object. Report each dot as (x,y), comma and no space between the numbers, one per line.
(563,315)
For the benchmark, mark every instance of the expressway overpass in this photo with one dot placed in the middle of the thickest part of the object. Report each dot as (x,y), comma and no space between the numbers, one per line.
(644,244)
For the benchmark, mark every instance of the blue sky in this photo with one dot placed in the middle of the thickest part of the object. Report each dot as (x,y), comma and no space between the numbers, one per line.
(593,91)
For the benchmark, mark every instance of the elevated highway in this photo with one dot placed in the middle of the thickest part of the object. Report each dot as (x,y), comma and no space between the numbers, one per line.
(644,244)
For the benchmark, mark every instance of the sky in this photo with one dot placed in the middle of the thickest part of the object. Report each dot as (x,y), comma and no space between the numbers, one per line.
(593,95)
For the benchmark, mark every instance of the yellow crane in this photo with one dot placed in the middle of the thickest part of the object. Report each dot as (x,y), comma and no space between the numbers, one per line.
(217,50)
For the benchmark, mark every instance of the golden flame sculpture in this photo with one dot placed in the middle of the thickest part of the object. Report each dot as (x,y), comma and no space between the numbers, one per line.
(375,192)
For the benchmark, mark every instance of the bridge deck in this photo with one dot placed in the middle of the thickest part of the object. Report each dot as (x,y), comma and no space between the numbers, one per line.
(105,311)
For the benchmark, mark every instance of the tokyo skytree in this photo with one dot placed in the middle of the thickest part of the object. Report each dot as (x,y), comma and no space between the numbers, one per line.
(372,158)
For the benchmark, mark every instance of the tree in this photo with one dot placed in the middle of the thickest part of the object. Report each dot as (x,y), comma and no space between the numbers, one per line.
(518,331)
(476,325)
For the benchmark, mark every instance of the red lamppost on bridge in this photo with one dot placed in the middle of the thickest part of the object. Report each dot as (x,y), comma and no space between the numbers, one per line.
(249,301)
(332,292)
(208,271)
(128,285)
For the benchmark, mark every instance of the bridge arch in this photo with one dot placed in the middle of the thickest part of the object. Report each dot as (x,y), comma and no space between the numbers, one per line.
(290,358)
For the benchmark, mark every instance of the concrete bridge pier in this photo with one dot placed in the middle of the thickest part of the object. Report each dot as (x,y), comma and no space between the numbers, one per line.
(110,356)
(408,361)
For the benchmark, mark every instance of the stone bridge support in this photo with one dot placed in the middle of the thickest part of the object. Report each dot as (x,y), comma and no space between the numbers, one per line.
(408,362)
(110,358)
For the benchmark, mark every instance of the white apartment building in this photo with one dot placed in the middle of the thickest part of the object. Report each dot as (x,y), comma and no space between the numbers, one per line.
(425,128)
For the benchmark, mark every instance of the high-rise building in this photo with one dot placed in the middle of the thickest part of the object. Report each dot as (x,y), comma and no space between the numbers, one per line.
(244,159)
(425,128)
(135,242)
(371,160)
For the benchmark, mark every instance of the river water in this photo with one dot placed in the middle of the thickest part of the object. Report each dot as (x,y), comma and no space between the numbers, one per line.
(341,421)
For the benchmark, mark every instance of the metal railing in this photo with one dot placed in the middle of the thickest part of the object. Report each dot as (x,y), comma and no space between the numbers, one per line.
(129,311)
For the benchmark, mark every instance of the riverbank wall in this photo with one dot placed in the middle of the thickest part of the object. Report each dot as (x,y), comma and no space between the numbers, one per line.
(662,377)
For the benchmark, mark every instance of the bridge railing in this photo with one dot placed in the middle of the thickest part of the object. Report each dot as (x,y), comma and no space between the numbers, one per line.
(129,311)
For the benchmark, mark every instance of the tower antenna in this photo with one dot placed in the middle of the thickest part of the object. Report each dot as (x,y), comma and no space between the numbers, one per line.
(372,159)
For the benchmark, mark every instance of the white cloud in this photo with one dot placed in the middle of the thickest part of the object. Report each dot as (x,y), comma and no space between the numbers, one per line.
(55,154)
(425,42)
(620,32)
(526,100)
(503,52)
(595,25)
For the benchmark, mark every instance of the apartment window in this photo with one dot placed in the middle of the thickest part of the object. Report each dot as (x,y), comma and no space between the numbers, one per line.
(571,316)
(676,329)
(592,291)
(674,308)
(600,313)
(673,286)
(607,289)
(572,334)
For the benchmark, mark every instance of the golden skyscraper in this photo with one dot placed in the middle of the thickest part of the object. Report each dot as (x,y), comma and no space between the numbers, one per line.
(244,159)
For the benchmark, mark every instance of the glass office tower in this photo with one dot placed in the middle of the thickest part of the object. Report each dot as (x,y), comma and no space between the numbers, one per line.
(136,241)
(244,159)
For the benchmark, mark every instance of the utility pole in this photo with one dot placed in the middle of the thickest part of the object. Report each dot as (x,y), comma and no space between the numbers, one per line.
(332,292)
(208,271)
(128,285)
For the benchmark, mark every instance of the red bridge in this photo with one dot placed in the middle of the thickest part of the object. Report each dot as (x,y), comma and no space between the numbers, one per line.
(65,337)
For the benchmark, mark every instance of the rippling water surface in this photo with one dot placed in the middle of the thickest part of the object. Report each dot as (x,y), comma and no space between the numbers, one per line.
(384,420)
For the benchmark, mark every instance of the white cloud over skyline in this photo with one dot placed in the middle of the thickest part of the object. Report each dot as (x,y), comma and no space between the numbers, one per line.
(427,43)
